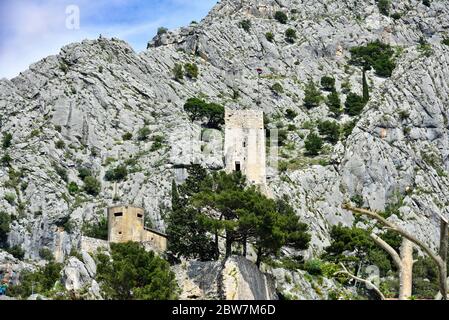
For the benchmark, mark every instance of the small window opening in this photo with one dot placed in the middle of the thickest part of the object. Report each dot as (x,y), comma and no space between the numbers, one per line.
(118,214)
(139,215)
(237,166)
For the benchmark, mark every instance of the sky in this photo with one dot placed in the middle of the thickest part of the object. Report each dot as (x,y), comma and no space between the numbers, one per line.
(33,29)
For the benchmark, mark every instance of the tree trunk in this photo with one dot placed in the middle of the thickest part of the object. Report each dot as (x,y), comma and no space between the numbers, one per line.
(217,248)
(228,245)
(443,254)
(245,250)
(406,270)
(259,257)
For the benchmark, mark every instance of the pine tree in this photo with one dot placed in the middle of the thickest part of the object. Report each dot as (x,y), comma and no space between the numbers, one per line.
(365,87)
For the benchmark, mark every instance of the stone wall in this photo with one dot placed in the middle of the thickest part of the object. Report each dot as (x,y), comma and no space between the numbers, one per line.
(245,144)
(154,241)
(91,245)
(126,223)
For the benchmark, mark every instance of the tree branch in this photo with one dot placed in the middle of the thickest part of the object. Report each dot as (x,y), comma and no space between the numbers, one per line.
(380,242)
(368,283)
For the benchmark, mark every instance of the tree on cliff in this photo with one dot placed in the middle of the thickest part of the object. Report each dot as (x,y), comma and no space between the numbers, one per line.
(131,273)
(227,208)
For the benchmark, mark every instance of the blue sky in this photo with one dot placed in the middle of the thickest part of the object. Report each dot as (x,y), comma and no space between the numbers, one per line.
(33,29)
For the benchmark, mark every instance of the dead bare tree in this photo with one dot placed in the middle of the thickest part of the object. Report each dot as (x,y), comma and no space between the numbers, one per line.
(440,259)
(368,283)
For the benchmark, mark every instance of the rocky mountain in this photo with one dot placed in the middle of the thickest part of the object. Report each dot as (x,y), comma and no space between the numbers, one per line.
(99,104)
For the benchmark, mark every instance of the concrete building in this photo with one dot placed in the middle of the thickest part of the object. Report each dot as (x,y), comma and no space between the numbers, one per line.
(126,223)
(245,144)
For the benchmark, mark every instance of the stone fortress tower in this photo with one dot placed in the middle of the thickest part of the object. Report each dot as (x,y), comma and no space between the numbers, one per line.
(245,148)
(126,223)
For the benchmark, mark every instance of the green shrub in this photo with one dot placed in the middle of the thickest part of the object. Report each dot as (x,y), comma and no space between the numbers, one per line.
(282,137)
(6,160)
(334,104)
(347,128)
(191,70)
(269,36)
(61,172)
(313,144)
(42,281)
(277,88)
(427,3)
(290,35)
(396,16)
(84,172)
(10,198)
(425,47)
(290,114)
(5,223)
(16,251)
(425,278)
(161,31)
(445,41)
(119,173)
(98,230)
(354,104)
(143,134)
(312,96)
(73,188)
(328,83)
(281,17)
(384,6)
(245,25)
(375,55)
(59,144)
(157,143)
(63,67)
(46,254)
(329,129)
(6,141)
(198,109)
(358,200)
(313,267)
(135,274)
(127,136)
(92,186)
(178,72)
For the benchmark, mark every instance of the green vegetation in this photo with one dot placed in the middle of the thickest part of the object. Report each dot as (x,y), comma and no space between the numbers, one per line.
(245,25)
(313,144)
(396,16)
(16,251)
(445,41)
(98,230)
(281,17)
(92,186)
(191,70)
(290,114)
(277,88)
(348,127)
(10,198)
(5,222)
(178,72)
(333,102)
(427,3)
(6,141)
(6,160)
(135,274)
(245,217)
(127,136)
(43,281)
(328,83)
(269,36)
(384,6)
(61,172)
(329,129)
(198,109)
(365,88)
(354,104)
(84,172)
(143,133)
(60,144)
(158,142)
(312,96)
(375,55)
(119,173)
(290,35)
(353,246)
(425,47)
(73,188)
(161,31)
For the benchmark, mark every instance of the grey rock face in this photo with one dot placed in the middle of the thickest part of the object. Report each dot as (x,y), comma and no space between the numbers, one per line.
(235,279)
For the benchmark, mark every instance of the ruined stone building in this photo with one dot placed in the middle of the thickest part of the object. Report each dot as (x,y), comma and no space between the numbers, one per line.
(245,149)
(126,223)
